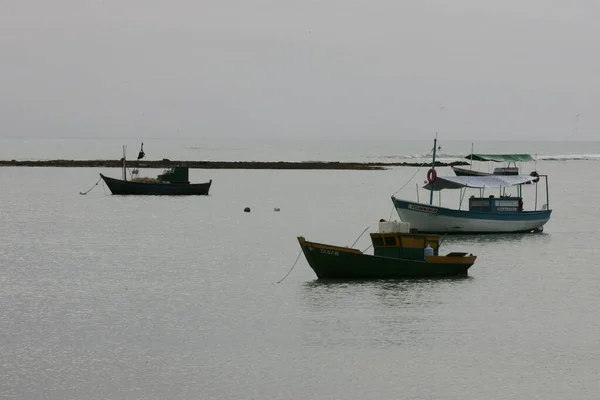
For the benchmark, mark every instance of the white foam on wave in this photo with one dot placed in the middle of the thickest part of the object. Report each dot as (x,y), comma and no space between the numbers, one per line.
(454,157)
(568,157)
(423,156)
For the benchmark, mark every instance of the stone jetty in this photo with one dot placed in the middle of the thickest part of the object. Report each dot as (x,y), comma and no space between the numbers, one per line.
(217,164)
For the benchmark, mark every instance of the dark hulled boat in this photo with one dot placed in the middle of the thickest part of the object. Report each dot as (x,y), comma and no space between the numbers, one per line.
(396,255)
(173,182)
(468,172)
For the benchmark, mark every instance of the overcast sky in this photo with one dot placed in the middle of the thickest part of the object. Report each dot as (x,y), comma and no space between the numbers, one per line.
(469,69)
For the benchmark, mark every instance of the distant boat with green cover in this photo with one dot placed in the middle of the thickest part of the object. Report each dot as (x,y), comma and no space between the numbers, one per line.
(510,169)
(397,253)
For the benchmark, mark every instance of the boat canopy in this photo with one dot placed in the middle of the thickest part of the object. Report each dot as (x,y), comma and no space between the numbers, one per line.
(500,157)
(479,182)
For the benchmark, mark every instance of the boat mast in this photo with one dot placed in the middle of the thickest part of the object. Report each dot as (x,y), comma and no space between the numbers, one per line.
(471,166)
(432,167)
(547,193)
(124,169)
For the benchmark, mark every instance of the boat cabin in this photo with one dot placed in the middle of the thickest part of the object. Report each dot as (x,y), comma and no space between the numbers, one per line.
(175,175)
(514,170)
(493,204)
(404,245)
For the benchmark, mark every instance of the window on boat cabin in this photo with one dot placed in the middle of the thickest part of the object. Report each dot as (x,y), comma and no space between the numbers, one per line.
(377,241)
(390,241)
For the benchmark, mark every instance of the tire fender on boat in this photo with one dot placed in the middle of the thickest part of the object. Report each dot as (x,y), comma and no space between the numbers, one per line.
(431,175)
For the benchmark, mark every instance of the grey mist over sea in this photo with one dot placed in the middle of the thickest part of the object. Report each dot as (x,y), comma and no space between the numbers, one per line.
(147,297)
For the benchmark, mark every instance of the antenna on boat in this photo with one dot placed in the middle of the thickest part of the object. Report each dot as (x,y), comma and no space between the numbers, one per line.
(432,167)
(123,162)
(471,168)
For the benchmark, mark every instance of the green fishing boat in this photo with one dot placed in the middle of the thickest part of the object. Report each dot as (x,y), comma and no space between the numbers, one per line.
(396,255)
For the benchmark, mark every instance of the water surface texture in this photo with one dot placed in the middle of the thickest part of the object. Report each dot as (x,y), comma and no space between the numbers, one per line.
(176,298)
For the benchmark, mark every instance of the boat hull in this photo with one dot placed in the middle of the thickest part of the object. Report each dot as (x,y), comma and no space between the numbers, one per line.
(468,172)
(497,171)
(121,187)
(432,219)
(333,262)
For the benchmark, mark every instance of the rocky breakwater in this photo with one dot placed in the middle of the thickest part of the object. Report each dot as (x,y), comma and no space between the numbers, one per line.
(218,164)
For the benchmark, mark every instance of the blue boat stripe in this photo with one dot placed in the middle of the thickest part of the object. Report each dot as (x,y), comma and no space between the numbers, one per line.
(442,211)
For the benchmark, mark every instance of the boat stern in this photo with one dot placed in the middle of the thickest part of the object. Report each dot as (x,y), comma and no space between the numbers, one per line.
(456,263)
(452,258)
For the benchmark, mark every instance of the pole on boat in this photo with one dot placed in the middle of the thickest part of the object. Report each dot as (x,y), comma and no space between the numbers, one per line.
(471,166)
(123,164)
(536,196)
(432,167)
(547,193)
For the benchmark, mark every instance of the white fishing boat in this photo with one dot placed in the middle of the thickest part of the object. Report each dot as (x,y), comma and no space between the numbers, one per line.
(493,209)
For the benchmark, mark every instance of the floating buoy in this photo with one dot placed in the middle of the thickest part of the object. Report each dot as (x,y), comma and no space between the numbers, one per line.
(247,209)
(276,209)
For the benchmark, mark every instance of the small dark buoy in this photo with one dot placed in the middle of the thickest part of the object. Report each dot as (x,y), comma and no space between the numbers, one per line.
(247,209)
(276,209)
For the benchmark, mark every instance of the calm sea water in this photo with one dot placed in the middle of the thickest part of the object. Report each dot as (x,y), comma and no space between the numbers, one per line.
(176,298)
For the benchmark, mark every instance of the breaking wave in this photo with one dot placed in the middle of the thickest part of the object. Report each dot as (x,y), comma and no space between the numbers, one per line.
(568,157)
(456,157)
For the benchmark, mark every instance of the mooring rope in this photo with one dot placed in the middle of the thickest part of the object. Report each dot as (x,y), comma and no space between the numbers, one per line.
(442,240)
(403,186)
(391,212)
(297,258)
(96,184)
(411,178)
(363,232)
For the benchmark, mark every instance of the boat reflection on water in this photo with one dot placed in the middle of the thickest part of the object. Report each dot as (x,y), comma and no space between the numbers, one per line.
(504,239)
(380,314)
(392,292)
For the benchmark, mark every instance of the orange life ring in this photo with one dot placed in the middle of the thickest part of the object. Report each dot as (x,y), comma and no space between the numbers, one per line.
(537,176)
(431,175)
